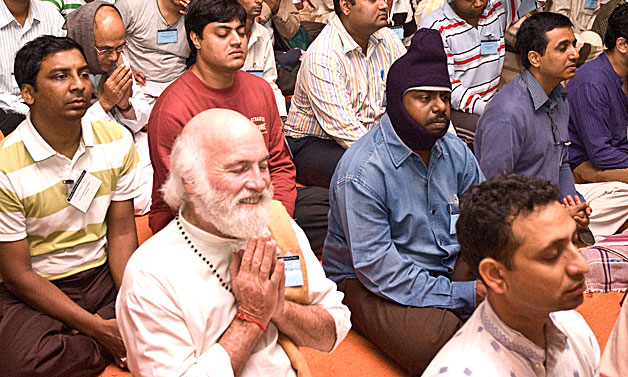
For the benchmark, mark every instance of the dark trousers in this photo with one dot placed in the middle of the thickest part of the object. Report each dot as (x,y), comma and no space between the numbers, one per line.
(9,121)
(465,125)
(315,159)
(310,212)
(35,344)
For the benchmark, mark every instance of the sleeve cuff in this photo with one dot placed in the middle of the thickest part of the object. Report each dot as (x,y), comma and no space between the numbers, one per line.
(478,108)
(463,293)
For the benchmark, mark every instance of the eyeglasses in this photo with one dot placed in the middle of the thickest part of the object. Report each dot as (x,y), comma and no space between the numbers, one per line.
(109,50)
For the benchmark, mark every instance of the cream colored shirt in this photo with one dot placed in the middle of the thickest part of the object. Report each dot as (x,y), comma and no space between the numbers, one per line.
(615,357)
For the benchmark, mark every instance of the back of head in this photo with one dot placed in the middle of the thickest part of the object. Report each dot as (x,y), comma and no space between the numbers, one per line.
(617,26)
(199,13)
(29,58)
(531,35)
(80,26)
(487,213)
(423,66)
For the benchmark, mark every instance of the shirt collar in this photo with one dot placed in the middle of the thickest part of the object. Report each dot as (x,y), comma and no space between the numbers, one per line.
(348,44)
(255,34)
(396,148)
(39,149)
(539,98)
(34,14)
(515,341)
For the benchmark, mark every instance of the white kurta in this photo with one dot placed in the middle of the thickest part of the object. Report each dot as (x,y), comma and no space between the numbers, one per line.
(172,310)
(485,346)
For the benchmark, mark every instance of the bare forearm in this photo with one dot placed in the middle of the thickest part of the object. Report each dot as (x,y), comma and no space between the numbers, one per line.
(307,326)
(238,341)
(44,296)
(121,238)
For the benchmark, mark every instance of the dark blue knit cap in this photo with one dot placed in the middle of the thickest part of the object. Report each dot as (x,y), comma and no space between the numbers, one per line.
(423,67)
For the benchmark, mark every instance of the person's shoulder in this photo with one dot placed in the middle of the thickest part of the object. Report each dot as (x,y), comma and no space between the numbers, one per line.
(105,132)
(48,14)
(254,85)
(157,255)
(511,99)
(367,151)
(13,153)
(177,91)
(436,19)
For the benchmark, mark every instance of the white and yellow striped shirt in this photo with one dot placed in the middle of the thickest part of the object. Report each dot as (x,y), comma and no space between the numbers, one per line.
(62,240)
(339,90)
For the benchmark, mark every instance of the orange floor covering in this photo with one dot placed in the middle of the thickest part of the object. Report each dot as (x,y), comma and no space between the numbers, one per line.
(356,356)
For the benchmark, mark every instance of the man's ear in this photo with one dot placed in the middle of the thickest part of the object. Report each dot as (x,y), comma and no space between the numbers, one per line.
(188,188)
(345,7)
(622,45)
(493,273)
(27,94)
(535,58)
(196,40)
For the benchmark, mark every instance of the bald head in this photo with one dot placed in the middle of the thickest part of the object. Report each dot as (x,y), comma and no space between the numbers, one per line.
(109,34)
(221,130)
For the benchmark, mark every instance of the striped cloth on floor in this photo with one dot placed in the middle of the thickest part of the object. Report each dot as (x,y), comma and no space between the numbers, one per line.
(608,264)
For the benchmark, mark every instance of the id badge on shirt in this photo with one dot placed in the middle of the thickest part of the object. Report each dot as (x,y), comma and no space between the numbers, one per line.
(292,270)
(257,72)
(166,36)
(398,30)
(84,191)
(590,4)
(489,46)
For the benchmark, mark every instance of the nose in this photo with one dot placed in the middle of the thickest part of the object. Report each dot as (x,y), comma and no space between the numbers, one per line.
(236,39)
(577,264)
(258,179)
(573,53)
(478,4)
(439,105)
(77,83)
(382,4)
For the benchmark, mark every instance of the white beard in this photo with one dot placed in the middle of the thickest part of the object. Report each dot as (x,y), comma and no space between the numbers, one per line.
(229,216)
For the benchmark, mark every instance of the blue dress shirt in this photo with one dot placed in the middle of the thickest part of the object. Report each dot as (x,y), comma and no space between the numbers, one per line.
(598,109)
(522,131)
(389,222)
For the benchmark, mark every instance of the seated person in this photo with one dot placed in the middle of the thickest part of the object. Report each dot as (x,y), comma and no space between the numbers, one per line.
(157,43)
(473,35)
(582,13)
(598,103)
(391,245)
(22,21)
(524,129)
(260,57)
(98,28)
(526,325)
(66,221)
(340,87)
(216,29)
(614,361)
(190,302)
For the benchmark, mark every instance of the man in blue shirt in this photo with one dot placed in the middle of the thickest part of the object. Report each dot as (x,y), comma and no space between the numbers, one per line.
(391,244)
(524,128)
(598,107)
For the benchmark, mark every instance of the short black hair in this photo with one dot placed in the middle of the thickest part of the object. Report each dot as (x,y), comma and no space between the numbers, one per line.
(488,210)
(531,35)
(617,26)
(29,58)
(199,13)
(337,6)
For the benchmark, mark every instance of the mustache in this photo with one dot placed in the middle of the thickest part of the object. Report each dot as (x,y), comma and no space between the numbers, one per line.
(439,117)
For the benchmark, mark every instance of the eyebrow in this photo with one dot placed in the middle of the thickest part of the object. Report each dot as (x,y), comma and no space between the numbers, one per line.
(246,162)
(64,69)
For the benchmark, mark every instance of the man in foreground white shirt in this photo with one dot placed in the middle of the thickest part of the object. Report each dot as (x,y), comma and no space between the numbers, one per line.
(206,293)
(516,235)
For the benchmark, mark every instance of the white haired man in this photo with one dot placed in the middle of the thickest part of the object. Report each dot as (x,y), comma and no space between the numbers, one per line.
(209,285)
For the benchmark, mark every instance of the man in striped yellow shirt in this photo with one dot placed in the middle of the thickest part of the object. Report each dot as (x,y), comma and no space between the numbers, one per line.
(66,221)
(340,88)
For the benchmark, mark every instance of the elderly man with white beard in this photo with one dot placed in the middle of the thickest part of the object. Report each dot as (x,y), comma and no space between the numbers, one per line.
(207,294)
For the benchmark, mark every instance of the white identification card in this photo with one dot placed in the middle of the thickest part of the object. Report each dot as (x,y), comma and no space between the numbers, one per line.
(489,47)
(590,4)
(84,191)
(292,269)
(257,72)
(166,36)
(398,30)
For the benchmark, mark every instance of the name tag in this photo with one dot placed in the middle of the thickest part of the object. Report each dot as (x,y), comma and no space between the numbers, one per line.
(398,30)
(489,47)
(292,269)
(166,36)
(590,4)
(82,194)
(257,72)
(454,214)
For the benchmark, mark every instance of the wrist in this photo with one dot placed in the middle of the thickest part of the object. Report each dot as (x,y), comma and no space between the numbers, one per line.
(246,318)
(106,106)
(125,109)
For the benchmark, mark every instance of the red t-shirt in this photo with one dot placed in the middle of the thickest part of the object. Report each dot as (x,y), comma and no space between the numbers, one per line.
(188,96)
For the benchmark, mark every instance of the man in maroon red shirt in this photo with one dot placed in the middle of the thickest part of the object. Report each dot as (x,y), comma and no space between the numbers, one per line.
(215,29)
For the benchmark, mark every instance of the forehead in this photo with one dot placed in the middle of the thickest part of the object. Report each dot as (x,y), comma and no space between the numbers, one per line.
(245,145)
(63,60)
(214,26)
(537,230)
(559,35)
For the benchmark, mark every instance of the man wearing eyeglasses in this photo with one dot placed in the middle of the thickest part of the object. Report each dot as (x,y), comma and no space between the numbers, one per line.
(98,28)
(523,129)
